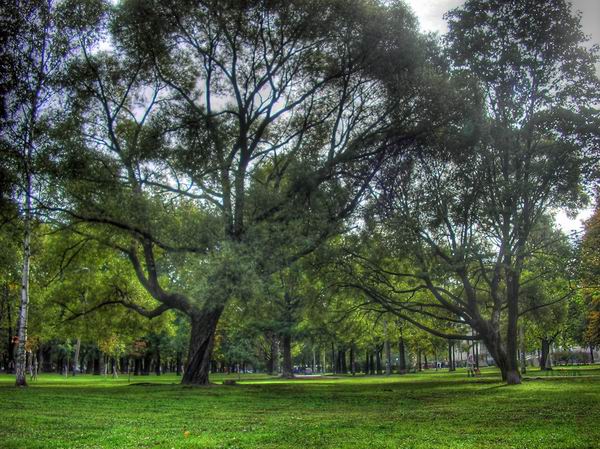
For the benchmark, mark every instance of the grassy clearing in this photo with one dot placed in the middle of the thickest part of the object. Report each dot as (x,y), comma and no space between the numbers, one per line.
(413,411)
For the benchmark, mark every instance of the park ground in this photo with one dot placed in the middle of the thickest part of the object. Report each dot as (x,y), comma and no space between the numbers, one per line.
(424,410)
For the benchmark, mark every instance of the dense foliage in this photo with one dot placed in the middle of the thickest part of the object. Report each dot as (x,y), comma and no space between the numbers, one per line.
(293,185)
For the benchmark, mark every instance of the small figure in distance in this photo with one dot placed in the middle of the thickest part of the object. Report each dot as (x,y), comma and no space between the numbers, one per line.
(470,366)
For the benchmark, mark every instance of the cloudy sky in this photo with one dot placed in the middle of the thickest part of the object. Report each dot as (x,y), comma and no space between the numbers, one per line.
(430,14)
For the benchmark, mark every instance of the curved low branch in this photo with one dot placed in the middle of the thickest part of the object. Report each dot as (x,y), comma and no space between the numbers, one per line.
(547,304)
(396,312)
(139,309)
(150,282)
(436,332)
(131,229)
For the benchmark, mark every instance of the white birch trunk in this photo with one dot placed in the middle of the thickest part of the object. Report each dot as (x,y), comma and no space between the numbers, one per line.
(21,359)
(76,359)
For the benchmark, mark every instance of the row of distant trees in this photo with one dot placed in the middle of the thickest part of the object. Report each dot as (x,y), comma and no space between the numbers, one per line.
(362,344)
(325,330)
(265,155)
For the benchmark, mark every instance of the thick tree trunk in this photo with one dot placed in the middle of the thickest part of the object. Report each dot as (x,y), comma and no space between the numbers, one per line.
(203,327)
(401,356)
(98,364)
(591,354)
(333,361)
(287,371)
(512,375)
(451,366)
(545,364)
(342,365)
(157,369)
(146,362)
(508,365)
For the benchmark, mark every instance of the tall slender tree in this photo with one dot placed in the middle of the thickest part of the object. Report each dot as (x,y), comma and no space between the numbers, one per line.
(34,55)
(590,278)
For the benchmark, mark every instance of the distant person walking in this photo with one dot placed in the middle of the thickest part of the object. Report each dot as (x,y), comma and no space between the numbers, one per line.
(470,366)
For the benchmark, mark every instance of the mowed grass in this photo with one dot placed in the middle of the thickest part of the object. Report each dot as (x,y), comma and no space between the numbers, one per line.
(428,410)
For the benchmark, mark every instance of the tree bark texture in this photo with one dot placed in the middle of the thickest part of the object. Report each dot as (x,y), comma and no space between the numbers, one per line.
(203,327)
(401,356)
(545,364)
(21,359)
(287,371)
(451,366)
(507,364)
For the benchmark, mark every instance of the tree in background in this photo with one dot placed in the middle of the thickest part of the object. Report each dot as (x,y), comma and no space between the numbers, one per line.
(72,280)
(466,214)
(548,287)
(538,79)
(590,276)
(33,56)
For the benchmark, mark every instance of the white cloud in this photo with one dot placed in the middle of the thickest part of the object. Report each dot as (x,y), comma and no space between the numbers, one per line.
(430,13)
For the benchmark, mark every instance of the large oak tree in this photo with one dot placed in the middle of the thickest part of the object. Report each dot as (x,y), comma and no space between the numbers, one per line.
(213,143)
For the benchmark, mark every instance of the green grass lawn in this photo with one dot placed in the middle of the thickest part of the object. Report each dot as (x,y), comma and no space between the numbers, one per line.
(428,410)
